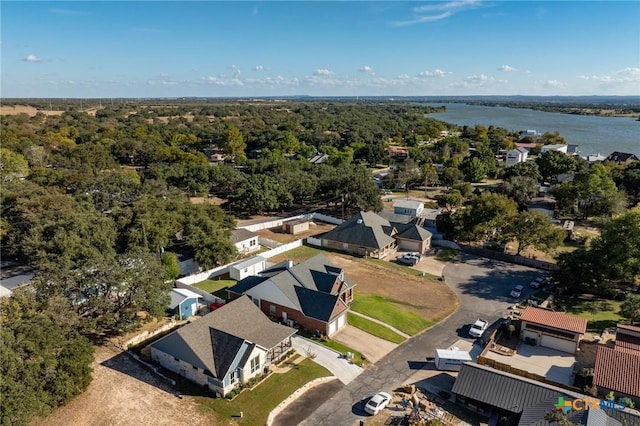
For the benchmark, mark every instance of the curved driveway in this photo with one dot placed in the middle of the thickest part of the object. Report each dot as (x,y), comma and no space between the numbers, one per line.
(482,286)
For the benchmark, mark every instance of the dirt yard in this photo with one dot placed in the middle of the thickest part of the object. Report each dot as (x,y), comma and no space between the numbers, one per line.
(23,109)
(430,298)
(315,228)
(124,393)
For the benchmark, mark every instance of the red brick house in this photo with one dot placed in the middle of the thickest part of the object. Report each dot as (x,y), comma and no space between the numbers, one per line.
(313,294)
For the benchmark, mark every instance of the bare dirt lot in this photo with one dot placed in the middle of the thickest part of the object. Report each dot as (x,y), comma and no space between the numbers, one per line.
(24,109)
(124,393)
(315,228)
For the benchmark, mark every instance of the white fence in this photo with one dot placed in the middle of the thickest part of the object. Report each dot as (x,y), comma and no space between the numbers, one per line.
(205,275)
(283,248)
(268,243)
(325,218)
(314,241)
(272,224)
(205,295)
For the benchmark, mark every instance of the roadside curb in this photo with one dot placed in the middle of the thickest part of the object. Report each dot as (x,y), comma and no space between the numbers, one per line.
(295,395)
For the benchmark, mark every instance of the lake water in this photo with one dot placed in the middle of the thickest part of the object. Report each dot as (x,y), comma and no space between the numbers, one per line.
(593,134)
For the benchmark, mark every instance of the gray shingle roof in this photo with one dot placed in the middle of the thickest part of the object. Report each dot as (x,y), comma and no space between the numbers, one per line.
(241,234)
(365,229)
(213,341)
(413,232)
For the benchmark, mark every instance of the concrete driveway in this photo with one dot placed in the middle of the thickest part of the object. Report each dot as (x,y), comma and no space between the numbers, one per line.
(345,371)
(483,287)
(372,347)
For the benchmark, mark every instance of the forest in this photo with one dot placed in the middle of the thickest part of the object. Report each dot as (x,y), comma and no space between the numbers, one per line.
(97,199)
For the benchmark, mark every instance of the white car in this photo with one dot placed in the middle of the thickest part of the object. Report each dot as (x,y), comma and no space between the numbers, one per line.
(535,284)
(377,403)
(517,291)
(478,328)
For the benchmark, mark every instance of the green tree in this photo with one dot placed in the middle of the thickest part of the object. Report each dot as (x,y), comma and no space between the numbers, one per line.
(12,165)
(43,365)
(566,197)
(234,144)
(591,185)
(450,201)
(527,168)
(554,138)
(630,308)
(532,229)
(553,163)
(474,169)
(171,266)
(451,176)
(520,189)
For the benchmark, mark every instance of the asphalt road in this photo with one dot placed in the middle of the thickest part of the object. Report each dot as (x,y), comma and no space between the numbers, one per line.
(483,287)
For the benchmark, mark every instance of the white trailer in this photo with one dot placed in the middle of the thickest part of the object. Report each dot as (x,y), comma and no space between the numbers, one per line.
(451,360)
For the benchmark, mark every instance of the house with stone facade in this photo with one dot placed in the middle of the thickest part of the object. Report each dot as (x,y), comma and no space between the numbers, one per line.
(228,346)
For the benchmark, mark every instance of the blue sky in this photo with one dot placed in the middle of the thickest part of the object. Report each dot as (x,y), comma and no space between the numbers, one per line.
(271,48)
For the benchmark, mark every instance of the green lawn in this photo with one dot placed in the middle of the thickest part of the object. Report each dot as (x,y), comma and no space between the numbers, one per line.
(446,254)
(375,329)
(256,404)
(216,287)
(298,254)
(391,312)
(599,313)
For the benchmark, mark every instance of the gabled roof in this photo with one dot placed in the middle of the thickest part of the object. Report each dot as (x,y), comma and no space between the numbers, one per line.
(248,262)
(618,371)
(556,320)
(520,149)
(213,341)
(509,392)
(627,338)
(178,295)
(413,232)
(241,234)
(365,229)
(622,157)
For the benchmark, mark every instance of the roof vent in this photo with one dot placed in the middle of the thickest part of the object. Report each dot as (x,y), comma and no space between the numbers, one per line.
(359,221)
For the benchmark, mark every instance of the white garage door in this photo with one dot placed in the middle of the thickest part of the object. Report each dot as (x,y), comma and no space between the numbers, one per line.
(557,344)
(332,327)
(342,321)
(411,245)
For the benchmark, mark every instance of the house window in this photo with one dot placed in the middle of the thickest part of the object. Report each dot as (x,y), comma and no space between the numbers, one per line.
(272,310)
(233,377)
(255,364)
(256,301)
(252,243)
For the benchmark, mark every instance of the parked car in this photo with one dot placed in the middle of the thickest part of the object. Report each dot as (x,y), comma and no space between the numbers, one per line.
(535,284)
(517,291)
(478,328)
(377,403)
(409,259)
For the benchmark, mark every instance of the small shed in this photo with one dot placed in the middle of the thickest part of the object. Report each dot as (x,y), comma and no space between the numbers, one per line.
(247,268)
(408,207)
(451,360)
(295,227)
(184,302)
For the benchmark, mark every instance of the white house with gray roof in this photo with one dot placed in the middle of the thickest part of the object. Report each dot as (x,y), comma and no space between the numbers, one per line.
(516,155)
(228,346)
(244,240)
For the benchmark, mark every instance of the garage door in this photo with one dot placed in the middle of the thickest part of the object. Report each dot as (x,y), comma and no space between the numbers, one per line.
(411,245)
(557,344)
(332,327)
(341,321)
(530,335)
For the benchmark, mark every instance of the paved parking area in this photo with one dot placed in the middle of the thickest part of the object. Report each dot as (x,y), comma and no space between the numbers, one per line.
(372,347)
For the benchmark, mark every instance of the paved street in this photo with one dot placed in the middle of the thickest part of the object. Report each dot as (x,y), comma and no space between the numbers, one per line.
(483,287)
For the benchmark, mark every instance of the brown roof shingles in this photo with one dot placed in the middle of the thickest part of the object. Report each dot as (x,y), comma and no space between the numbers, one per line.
(556,320)
(617,371)
(628,339)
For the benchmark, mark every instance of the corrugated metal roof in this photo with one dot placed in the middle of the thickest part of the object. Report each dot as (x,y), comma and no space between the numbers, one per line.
(556,320)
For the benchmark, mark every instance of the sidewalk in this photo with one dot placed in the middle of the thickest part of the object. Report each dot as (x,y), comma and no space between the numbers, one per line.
(328,358)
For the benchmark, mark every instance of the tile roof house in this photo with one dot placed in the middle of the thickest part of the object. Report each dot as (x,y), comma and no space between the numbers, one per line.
(225,347)
(244,240)
(553,330)
(617,369)
(369,234)
(313,294)
(487,390)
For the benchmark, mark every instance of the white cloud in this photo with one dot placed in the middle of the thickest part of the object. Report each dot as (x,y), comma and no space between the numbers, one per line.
(626,75)
(507,68)
(478,82)
(323,71)
(435,73)
(366,69)
(258,68)
(553,83)
(32,58)
(426,13)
